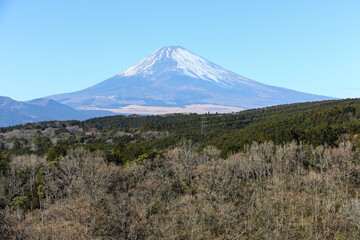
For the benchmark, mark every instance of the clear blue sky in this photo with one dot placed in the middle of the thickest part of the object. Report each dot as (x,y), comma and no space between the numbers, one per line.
(49,47)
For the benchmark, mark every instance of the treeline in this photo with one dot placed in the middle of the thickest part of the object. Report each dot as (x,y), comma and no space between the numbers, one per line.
(315,123)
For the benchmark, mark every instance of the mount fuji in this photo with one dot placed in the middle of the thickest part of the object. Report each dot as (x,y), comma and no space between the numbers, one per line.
(173,79)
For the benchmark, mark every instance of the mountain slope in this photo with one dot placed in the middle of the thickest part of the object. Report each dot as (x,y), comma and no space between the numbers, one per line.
(14,112)
(174,78)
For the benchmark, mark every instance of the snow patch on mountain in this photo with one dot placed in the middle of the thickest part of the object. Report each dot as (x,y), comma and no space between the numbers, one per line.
(155,110)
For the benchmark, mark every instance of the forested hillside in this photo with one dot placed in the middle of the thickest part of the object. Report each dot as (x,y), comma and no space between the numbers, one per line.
(313,123)
(283,172)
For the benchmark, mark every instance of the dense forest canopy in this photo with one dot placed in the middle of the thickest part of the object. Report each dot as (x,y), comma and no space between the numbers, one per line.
(289,171)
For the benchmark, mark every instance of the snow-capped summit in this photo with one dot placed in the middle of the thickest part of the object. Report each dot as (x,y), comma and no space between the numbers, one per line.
(178,59)
(173,79)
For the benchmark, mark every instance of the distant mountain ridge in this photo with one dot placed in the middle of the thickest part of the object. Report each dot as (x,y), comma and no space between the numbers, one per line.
(174,79)
(14,112)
